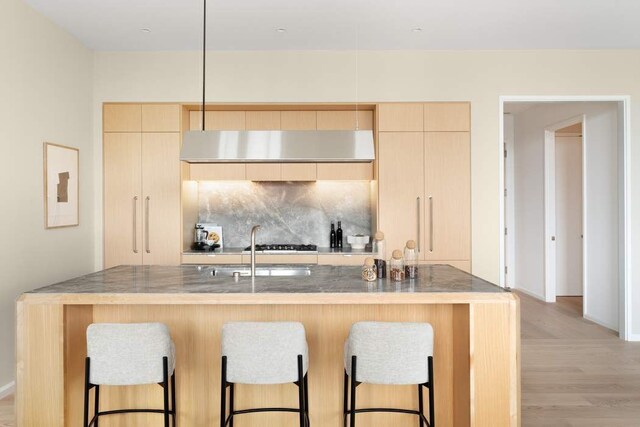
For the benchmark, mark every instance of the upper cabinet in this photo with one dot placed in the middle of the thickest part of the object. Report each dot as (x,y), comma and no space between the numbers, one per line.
(141,118)
(447,117)
(218,120)
(345,120)
(400,117)
(122,118)
(263,120)
(298,120)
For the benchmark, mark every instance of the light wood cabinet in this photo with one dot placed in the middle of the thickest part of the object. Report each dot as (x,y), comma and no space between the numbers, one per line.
(141,187)
(263,120)
(298,120)
(447,117)
(218,120)
(217,171)
(299,172)
(344,120)
(424,180)
(345,171)
(122,118)
(400,117)
(161,118)
(161,203)
(448,196)
(401,187)
(264,171)
(122,199)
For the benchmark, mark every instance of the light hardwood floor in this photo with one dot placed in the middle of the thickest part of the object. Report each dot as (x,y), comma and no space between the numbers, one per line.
(574,372)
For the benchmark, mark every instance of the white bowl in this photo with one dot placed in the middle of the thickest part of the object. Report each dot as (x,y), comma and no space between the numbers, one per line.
(358,241)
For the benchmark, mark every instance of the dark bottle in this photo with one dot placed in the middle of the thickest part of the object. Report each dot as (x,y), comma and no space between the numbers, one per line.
(339,235)
(332,237)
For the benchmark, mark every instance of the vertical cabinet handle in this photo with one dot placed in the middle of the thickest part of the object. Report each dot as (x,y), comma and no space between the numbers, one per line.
(430,224)
(146,225)
(418,221)
(135,224)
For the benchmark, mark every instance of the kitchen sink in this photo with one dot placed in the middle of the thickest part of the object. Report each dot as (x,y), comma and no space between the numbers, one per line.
(261,271)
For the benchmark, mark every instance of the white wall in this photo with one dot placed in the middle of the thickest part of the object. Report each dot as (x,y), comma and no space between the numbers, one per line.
(480,77)
(601,203)
(46,87)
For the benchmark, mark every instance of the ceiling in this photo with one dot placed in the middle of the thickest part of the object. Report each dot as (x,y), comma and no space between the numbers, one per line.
(116,25)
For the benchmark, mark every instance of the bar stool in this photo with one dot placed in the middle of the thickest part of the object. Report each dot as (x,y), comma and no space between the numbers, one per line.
(389,353)
(264,353)
(121,354)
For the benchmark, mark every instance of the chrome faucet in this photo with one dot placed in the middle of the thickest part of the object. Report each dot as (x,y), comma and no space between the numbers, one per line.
(253,249)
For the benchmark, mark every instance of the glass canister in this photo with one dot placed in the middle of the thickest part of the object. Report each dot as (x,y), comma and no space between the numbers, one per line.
(369,273)
(396,266)
(380,254)
(411,260)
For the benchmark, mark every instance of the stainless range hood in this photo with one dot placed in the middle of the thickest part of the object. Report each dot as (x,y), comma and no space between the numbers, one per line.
(277,146)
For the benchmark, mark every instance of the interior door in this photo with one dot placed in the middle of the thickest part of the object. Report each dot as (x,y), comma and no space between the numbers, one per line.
(568,193)
(447,164)
(161,198)
(401,188)
(122,199)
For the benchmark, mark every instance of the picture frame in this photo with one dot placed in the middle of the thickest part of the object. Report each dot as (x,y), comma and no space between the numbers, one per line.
(61,185)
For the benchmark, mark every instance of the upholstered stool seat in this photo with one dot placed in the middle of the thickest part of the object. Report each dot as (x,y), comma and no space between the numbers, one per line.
(264,353)
(121,354)
(389,353)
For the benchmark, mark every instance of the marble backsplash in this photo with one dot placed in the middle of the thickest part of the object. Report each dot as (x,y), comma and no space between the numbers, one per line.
(288,212)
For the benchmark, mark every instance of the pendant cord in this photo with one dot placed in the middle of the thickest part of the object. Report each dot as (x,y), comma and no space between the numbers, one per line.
(204,60)
(357,69)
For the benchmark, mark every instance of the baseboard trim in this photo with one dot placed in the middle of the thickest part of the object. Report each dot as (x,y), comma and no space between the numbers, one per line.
(531,294)
(7,389)
(596,321)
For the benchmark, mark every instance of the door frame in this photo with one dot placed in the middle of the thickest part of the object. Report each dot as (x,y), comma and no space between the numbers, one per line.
(550,253)
(626,243)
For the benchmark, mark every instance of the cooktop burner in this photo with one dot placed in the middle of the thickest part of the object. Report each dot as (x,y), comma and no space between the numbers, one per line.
(279,247)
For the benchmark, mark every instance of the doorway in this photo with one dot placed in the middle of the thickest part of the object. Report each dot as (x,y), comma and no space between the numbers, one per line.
(568,188)
(563,206)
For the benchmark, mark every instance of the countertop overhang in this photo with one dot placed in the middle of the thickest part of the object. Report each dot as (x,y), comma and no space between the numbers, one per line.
(440,284)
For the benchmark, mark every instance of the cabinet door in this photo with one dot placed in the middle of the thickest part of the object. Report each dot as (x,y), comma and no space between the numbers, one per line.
(217,171)
(299,172)
(263,120)
(161,118)
(218,120)
(122,199)
(298,120)
(448,196)
(161,198)
(447,117)
(344,120)
(264,171)
(401,188)
(400,117)
(122,118)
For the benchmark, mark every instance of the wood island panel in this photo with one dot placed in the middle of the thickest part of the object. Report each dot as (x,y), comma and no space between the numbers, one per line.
(476,356)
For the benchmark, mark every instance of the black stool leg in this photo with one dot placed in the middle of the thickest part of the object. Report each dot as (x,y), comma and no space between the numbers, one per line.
(165,387)
(353,391)
(86,392)
(306,398)
(420,405)
(96,405)
(346,397)
(432,417)
(173,397)
(223,393)
(231,397)
(301,391)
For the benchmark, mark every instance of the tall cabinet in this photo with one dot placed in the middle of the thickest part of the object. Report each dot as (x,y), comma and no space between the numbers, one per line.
(141,151)
(424,179)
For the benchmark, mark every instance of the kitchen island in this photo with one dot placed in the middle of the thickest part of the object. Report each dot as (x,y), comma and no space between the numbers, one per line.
(476,355)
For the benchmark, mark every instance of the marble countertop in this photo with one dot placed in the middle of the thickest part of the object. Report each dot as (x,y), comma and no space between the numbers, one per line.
(321,251)
(322,280)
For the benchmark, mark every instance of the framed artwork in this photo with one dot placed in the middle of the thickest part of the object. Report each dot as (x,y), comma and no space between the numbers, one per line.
(61,181)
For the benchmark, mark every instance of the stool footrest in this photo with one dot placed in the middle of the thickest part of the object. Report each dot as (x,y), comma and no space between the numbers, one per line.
(393,410)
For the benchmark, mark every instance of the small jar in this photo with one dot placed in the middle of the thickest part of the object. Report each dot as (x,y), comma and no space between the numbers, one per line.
(411,260)
(396,266)
(369,272)
(380,254)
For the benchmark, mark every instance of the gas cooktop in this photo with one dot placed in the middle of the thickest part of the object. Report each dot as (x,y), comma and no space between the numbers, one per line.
(283,248)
